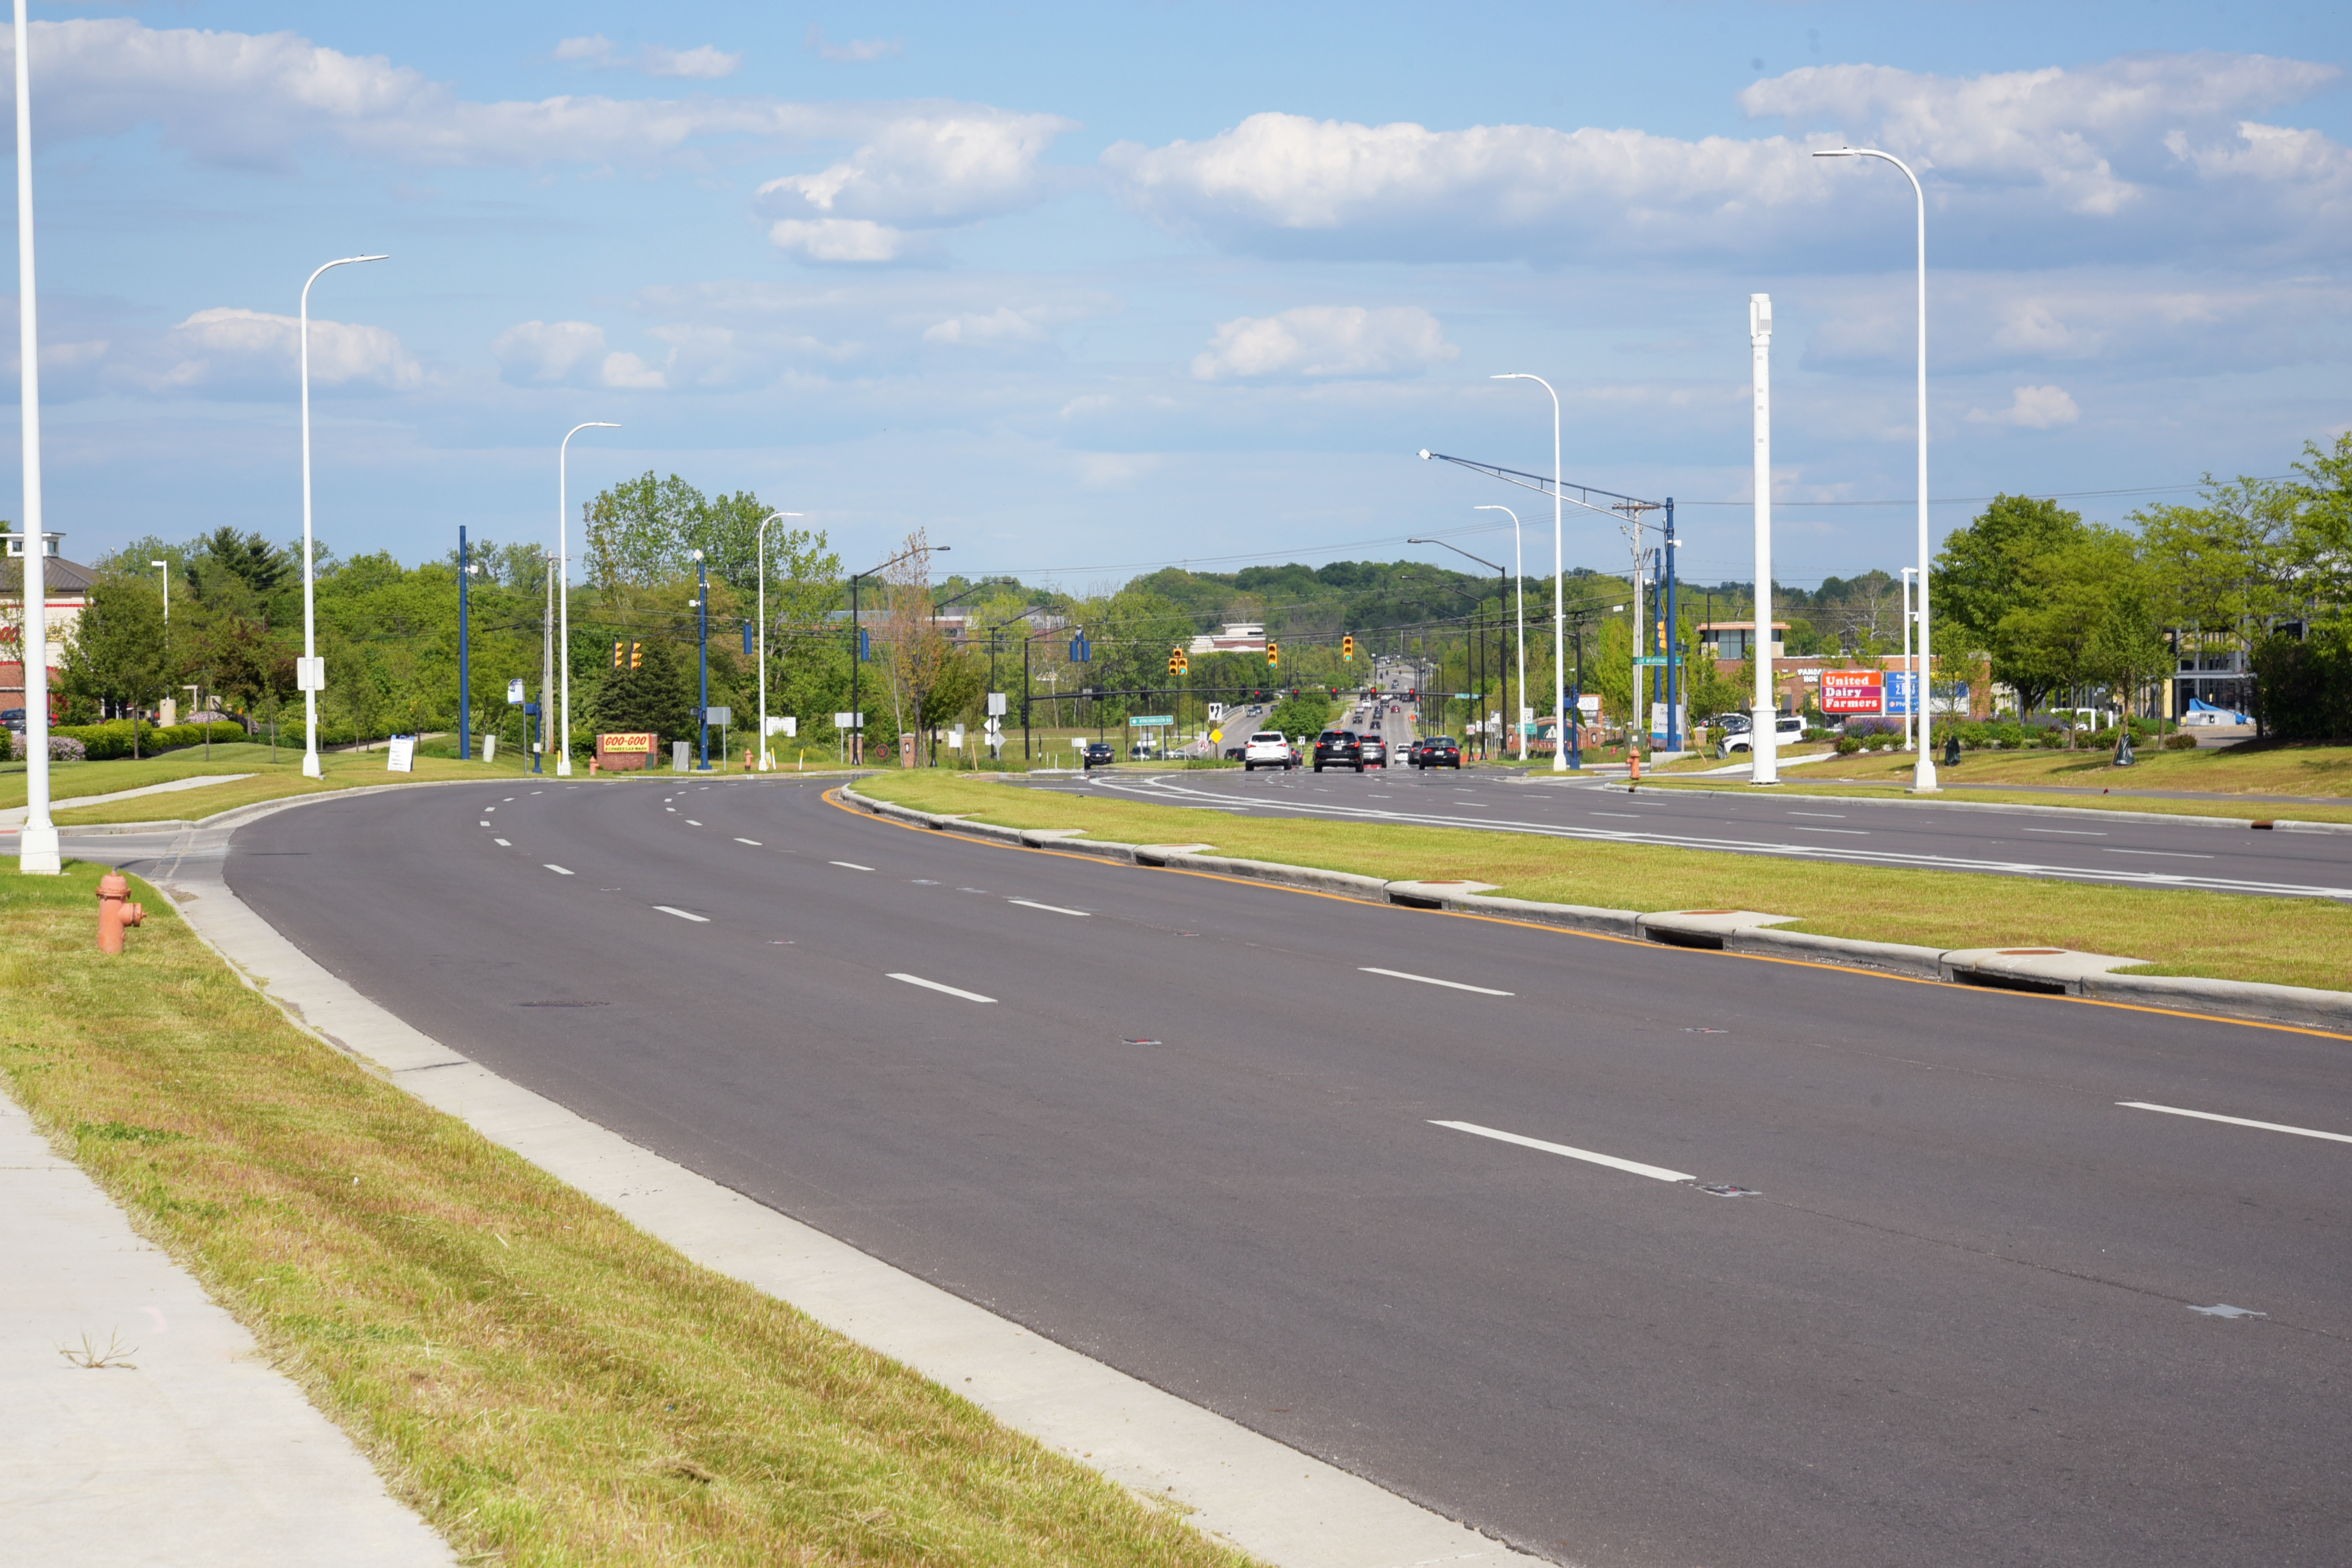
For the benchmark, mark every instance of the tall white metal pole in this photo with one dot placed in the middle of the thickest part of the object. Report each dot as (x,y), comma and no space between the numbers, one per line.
(1519,574)
(311,678)
(1763,736)
(36,843)
(1558,586)
(1923,771)
(563,580)
(1908,572)
(766,766)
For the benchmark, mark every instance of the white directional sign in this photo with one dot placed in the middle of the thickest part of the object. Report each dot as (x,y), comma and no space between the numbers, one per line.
(1217,712)
(310,674)
(402,756)
(783,724)
(514,689)
(717,715)
(995,704)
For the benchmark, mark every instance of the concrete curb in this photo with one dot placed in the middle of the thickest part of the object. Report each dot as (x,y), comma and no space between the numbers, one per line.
(1733,931)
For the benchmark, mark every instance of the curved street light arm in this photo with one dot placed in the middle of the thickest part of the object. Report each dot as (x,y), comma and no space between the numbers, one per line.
(766,763)
(311,682)
(563,582)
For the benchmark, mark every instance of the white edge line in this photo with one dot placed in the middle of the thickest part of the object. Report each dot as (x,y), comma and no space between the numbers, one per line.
(684,915)
(950,990)
(851,863)
(1656,1173)
(1051,909)
(2237,1121)
(753,842)
(557,870)
(1431,980)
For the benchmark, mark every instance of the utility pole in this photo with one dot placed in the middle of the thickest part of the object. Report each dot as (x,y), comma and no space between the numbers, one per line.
(702,659)
(465,692)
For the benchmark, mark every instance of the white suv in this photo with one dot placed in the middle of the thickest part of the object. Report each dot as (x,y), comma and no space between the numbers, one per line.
(1268,748)
(1787,730)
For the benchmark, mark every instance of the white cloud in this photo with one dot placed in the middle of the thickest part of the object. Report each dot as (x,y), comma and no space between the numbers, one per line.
(228,348)
(706,63)
(839,239)
(856,51)
(927,170)
(2032,408)
(547,352)
(596,49)
(2104,159)
(1327,341)
(1004,325)
(629,373)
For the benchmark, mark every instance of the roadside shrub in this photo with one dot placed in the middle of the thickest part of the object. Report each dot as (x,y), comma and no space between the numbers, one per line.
(2181,741)
(105,743)
(66,749)
(2303,687)
(1847,745)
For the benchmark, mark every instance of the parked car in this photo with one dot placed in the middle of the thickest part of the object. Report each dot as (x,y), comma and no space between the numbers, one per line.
(1338,749)
(1373,753)
(1268,749)
(1437,752)
(1787,730)
(1097,754)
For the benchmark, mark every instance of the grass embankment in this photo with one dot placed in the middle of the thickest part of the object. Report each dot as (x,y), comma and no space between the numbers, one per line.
(271,781)
(2291,941)
(2216,773)
(543,1381)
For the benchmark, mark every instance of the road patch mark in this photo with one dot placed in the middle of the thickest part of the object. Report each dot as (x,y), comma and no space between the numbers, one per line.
(1656,1173)
(2167,854)
(684,915)
(2237,1121)
(950,990)
(557,870)
(2069,832)
(1051,909)
(1431,980)
(852,865)
(753,842)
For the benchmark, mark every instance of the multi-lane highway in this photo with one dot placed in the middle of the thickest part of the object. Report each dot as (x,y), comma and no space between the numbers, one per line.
(2076,845)
(1631,1255)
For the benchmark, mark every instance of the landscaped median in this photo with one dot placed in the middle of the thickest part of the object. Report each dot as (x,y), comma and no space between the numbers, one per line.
(2305,942)
(540,1379)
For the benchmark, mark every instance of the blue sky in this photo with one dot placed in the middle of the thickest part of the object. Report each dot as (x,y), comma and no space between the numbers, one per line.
(1088,288)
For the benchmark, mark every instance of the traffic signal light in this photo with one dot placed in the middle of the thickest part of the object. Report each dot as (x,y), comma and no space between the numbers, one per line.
(637,654)
(616,655)
(1179,662)
(1348,647)
(1272,653)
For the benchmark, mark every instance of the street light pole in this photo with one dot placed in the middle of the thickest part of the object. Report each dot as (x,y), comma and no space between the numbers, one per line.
(1923,771)
(1519,579)
(702,660)
(1763,729)
(464,688)
(36,844)
(766,766)
(312,679)
(1559,576)
(1910,711)
(1523,624)
(563,585)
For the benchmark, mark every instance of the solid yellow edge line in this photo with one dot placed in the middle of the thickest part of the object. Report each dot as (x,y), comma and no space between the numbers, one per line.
(833,798)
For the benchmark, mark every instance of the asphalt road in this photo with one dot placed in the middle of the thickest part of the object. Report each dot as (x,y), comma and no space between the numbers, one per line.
(2079,846)
(1189,1126)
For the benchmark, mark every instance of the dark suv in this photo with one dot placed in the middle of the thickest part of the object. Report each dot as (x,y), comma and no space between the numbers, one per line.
(1338,749)
(1437,752)
(1098,755)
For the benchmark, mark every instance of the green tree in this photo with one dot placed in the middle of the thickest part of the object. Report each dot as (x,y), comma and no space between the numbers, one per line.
(1305,713)
(658,696)
(117,651)
(1993,588)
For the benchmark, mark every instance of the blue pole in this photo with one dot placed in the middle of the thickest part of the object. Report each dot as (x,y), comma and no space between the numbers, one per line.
(464,737)
(702,608)
(1672,637)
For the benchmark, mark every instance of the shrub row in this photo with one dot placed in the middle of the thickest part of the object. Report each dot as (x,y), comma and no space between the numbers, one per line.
(104,743)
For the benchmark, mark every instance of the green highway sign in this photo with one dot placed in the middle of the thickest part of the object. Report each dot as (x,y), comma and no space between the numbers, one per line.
(1153,720)
(1654,658)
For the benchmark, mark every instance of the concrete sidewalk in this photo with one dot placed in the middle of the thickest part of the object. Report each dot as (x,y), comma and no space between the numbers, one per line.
(187,1448)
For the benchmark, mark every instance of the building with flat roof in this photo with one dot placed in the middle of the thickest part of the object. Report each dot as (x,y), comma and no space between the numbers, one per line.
(64,588)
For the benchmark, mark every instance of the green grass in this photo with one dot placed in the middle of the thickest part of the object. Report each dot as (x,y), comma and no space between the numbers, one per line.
(1807,782)
(544,1383)
(2291,941)
(342,770)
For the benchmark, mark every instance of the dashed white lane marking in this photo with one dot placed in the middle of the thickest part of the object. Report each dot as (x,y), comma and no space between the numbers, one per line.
(2069,832)
(852,865)
(1051,909)
(508,801)
(485,823)
(1628,815)
(1850,832)
(558,870)
(669,809)
(2167,854)
(753,842)
(691,823)
(1431,980)
(488,808)
(2237,1121)
(1830,815)
(950,990)
(684,915)
(1656,1173)
(501,843)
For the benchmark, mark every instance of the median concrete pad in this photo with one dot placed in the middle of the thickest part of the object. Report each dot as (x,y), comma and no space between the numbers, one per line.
(1706,928)
(1435,895)
(2054,970)
(185,1445)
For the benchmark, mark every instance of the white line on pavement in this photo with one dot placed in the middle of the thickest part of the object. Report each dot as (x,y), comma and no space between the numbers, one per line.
(1051,909)
(2237,1121)
(2168,854)
(501,843)
(557,870)
(481,825)
(1656,1173)
(2069,832)
(1628,815)
(1834,816)
(691,823)
(753,842)
(950,990)
(1850,832)
(851,863)
(684,915)
(1427,979)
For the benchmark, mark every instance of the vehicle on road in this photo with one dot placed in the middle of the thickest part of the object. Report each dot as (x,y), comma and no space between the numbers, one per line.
(1097,754)
(1787,730)
(1338,749)
(1372,754)
(1437,752)
(1268,749)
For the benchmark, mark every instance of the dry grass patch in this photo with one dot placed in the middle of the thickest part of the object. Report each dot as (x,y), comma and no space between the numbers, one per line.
(2289,941)
(543,1383)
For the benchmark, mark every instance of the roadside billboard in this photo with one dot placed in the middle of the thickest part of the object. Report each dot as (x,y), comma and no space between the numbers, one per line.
(1852,691)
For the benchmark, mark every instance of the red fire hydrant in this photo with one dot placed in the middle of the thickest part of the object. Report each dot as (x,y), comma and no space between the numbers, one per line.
(115,911)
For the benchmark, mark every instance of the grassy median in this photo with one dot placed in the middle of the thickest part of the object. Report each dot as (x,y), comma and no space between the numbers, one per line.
(2291,941)
(545,1384)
